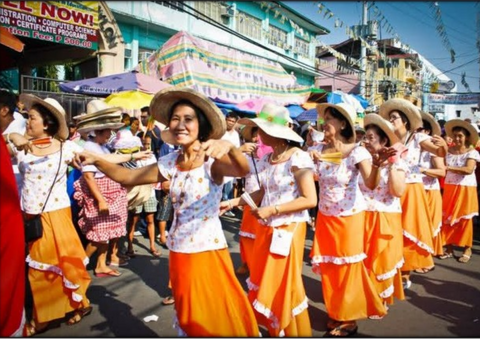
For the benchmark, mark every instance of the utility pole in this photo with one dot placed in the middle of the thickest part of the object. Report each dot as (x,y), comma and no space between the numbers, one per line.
(363,50)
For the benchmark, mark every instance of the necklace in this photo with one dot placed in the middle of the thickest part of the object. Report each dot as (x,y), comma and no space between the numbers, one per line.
(280,157)
(43,146)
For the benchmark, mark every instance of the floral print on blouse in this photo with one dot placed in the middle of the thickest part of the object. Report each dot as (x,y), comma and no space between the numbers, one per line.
(413,174)
(429,182)
(38,173)
(196,226)
(339,192)
(460,160)
(281,187)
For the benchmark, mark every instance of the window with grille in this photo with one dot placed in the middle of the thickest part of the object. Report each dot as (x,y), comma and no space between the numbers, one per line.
(248,25)
(171,4)
(211,9)
(302,47)
(277,37)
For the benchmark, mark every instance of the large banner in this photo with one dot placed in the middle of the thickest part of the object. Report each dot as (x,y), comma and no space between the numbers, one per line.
(454,99)
(222,73)
(65,22)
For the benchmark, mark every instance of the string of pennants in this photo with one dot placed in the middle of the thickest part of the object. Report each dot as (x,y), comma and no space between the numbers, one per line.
(437,13)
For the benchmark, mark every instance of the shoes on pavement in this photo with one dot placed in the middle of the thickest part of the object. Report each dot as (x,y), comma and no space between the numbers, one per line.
(407,284)
(137,233)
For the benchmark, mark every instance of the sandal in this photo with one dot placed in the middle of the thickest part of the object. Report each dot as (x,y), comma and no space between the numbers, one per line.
(464,258)
(155,253)
(130,254)
(332,324)
(424,270)
(31,329)
(446,255)
(168,300)
(78,315)
(344,330)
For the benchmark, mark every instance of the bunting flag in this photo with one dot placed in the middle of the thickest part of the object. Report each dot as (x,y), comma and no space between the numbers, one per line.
(222,73)
(437,14)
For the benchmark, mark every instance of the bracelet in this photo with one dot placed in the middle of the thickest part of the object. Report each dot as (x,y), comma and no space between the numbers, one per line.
(277,211)
(8,138)
(229,204)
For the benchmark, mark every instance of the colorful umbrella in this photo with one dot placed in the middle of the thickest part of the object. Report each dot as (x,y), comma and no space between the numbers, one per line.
(129,99)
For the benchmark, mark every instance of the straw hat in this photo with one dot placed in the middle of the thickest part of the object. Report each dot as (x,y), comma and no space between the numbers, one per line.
(406,107)
(450,124)
(125,140)
(385,125)
(348,111)
(273,120)
(436,129)
(162,103)
(54,107)
(246,133)
(99,116)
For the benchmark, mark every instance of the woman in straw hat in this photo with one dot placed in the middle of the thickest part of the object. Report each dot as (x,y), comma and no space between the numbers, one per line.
(338,247)
(383,229)
(417,231)
(286,193)
(102,201)
(460,201)
(209,300)
(57,273)
(433,168)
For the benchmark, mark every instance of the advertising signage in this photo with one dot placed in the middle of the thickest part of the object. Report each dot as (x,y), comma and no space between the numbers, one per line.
(72,23)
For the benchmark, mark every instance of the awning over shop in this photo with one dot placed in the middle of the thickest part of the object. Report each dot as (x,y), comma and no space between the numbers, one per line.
(221,73)
(11,41)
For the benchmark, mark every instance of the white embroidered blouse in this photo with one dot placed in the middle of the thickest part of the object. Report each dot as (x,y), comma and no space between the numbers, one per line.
(460,160)
(196,200)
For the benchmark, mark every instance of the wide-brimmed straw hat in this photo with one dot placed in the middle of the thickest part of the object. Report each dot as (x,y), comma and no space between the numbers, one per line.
(411,111)
(436,129)
(348,111)
(163,101)
(99,115)
(385,125)
(451,124)
(273,120)
(125,140)
(246,133)
(54,107)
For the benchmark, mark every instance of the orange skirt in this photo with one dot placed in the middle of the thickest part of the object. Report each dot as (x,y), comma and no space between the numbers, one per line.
(434,201)
(248,229)
(460,205)
(276,288)
(384,249)
(338,255)
(417,229)
(209,300)
(57,268)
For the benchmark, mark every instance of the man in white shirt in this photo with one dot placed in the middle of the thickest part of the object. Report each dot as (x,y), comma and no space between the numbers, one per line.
(231,135)
(10,122)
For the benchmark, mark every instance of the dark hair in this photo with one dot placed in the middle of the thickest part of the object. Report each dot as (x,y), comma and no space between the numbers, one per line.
(125,115)
(132,119)
(49,119)
(204,126)
(8,99)
(404,118)
(381,134)
(347,132)
(426,126)
(232,115)
(463,130)
(145,109)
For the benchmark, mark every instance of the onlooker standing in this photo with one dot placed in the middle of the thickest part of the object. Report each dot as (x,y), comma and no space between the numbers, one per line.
(152,130)
(231,135)
(460,202)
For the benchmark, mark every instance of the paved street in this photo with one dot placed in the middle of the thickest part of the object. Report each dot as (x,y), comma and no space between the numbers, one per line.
(442,303)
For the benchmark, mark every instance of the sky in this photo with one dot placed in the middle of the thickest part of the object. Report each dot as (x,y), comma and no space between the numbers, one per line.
(417,26)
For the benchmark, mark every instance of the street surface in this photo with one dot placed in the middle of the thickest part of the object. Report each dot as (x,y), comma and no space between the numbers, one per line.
(441,303)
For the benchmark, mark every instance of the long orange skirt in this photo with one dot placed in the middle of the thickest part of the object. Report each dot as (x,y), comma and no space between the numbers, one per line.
(209,300)
(338,255)
(57,268)
(434,201)
(417,229)
(248,229)
(276,288)
(460,205)
(384,249)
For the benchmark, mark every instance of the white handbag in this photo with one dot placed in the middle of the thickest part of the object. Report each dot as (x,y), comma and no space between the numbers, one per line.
(282,241)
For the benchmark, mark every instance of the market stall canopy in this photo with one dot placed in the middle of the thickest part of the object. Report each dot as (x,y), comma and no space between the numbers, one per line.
(223,73)
(9,40)
(106,85)
(129,99)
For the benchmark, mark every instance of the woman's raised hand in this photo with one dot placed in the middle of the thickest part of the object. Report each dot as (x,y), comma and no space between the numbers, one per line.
(20,142)
(216,148)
